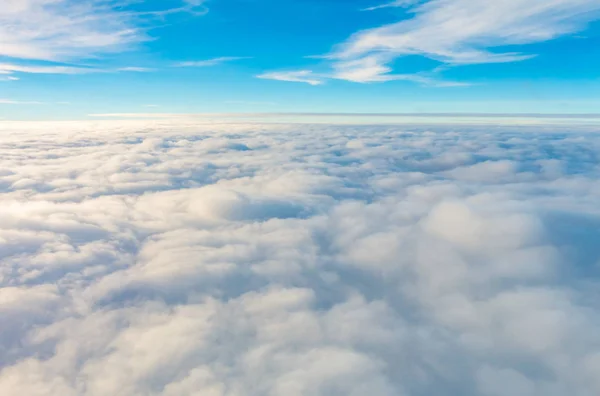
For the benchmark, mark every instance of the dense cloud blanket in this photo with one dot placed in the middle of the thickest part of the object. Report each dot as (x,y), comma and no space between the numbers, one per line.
(273,260)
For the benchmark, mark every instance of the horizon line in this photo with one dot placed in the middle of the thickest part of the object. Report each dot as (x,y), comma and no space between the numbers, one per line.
(315,114)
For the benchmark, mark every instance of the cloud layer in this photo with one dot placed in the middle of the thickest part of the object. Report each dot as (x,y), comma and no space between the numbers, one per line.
(172,259)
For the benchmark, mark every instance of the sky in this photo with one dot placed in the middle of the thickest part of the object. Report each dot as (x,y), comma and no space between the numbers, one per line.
(73,59)
(299,197)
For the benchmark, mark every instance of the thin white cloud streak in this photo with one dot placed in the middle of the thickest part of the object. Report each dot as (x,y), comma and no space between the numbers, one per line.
(195,7)
(169,259)
(135,69)
(9,68)
(303,76)
(371,69)
(211,62)
(18,102)
(397,3)
(363,71)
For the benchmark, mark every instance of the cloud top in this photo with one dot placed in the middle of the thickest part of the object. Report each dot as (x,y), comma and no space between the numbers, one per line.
(170,258)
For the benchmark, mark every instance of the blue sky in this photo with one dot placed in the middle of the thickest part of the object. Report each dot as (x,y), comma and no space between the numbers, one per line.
(67,59)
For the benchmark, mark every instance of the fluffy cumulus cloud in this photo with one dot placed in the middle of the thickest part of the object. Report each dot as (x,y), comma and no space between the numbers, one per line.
(231,260)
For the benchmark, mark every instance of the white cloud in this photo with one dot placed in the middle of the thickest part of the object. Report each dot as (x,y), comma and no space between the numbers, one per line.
(135,69)
(9,68)
(366,70)
(184,258)
(363,71)
(371,69)
(455,32)
(18,102)
(303,76)
(465,31)
(211,62)
(397,3)
(73,30)
(195,7)
(54,30)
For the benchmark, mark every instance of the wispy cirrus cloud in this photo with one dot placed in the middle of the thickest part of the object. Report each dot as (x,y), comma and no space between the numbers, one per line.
(303,76)
(397,3)
(135,69)
(59,30)
(457,32)
(211,62)
(18,102)
(196,7)
(73,30)
(9,68)
(370,69)
(362,71)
